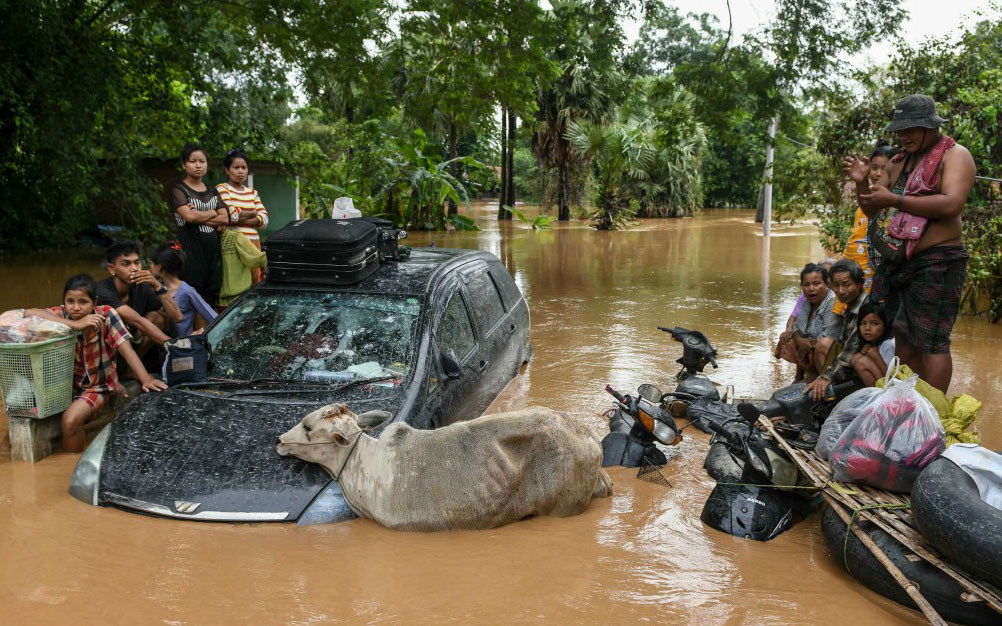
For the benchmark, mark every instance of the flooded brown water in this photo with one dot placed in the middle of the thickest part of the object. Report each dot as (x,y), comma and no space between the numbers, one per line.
(641,556)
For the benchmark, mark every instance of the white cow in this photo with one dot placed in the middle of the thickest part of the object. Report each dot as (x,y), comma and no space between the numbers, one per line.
(482,473)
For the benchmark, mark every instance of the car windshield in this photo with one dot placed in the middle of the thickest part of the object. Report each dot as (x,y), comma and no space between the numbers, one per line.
(315,336)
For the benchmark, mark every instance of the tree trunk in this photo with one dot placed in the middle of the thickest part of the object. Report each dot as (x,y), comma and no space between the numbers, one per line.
(563,206)
(453,167)
(349,114)
(760,205)
(510,195)
(504,163)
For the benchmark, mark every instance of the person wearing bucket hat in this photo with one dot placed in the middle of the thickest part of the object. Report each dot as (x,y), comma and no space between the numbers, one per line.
(914,111)
(914,212)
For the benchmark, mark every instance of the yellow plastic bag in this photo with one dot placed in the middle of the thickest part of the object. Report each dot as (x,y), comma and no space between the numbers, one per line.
(956,416)
(964,410)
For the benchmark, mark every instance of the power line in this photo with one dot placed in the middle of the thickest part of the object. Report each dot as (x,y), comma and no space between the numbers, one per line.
(796,142)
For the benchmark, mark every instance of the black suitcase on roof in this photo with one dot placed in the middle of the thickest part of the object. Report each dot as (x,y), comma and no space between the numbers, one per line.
(324,251)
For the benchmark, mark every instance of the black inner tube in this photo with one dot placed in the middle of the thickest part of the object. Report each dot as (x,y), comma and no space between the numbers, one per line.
(950,513)
(942,592)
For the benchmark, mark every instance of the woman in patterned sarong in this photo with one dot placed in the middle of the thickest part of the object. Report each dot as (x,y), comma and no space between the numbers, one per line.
(814,320)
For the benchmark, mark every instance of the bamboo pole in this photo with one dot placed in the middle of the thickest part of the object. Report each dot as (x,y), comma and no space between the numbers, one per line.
(910,587)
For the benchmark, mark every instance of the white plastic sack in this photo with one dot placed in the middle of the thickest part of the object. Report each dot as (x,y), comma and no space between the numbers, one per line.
(983,466)
(21,394)
(844,413)
(344,209)
(896,434)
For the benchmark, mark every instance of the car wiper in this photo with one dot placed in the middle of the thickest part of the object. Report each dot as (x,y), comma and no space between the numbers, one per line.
(312,386)
(225,382)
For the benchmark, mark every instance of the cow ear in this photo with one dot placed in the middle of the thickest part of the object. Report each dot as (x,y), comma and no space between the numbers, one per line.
(370,419)
(340,439)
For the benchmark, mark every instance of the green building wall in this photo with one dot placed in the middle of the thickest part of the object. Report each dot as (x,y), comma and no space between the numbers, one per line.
(279,194)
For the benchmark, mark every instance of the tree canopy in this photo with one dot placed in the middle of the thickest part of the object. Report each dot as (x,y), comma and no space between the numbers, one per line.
(412,107)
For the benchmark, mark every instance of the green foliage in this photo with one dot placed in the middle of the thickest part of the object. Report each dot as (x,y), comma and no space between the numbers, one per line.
(531,181)
(540,222)
(809,38)
(646,162)
(422,183)
(402,98)
(983,236)
(964,78)
(88,89)
(587,38)
(834,227)
(462,222)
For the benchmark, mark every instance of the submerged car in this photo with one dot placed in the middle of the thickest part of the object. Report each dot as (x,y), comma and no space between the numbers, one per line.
(432,339)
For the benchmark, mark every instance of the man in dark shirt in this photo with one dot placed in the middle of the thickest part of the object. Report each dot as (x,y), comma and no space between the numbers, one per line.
(140,299)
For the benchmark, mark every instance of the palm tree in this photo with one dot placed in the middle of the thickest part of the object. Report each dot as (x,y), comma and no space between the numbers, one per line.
(584,89)
(675,188)
(621,155)
(647,162)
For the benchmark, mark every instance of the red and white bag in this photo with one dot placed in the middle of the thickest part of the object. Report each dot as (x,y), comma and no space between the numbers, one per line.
(896,434)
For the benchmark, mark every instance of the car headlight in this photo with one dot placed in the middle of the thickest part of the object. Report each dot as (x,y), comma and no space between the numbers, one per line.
(327,508)
(87,473)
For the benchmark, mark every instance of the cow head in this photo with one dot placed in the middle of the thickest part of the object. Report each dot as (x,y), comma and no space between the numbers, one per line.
(334,425)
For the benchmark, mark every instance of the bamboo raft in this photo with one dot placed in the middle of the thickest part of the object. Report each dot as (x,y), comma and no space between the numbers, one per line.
(891,513)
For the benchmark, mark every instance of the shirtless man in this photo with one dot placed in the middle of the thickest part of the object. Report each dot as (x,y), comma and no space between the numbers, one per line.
(922,292)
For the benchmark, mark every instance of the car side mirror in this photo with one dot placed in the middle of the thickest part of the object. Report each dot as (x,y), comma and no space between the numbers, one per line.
(451,366)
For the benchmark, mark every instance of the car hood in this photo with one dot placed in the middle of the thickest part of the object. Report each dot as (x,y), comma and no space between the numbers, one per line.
(200,455)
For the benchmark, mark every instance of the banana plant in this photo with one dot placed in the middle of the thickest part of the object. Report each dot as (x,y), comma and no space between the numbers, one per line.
(541,221)
(423,184)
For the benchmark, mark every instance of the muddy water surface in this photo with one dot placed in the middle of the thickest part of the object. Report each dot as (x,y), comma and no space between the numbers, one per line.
(641,556)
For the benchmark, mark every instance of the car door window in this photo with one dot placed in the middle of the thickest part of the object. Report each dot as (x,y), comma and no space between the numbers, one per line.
(455,332)
(487,307)
(506,285)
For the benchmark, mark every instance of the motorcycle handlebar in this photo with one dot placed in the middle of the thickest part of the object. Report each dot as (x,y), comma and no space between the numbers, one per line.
(730,437)
(841,390)
(615,394)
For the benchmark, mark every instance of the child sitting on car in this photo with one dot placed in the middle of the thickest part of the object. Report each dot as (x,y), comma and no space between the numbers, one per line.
(103,335)
(167,264)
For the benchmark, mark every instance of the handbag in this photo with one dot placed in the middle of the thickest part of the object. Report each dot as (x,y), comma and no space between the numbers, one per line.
(908,228)
(187,360)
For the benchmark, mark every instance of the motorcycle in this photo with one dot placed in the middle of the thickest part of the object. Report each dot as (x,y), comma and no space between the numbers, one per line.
(752,504)
(802,415)
(635,424)
(697,353)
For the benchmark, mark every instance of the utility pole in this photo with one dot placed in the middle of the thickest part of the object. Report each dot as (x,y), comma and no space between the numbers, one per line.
(770,153)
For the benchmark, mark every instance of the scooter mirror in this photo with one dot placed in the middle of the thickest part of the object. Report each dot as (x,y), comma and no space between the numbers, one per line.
(649,393)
